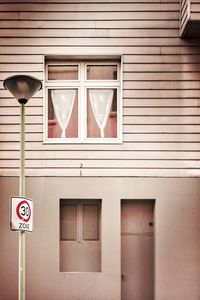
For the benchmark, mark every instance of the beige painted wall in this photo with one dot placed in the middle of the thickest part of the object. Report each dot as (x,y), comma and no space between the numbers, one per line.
(161,74)
(177,238)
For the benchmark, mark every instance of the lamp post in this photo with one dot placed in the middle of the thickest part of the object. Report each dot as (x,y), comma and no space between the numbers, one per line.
(22,87)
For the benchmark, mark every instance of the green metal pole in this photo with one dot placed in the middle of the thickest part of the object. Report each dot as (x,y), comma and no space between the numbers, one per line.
(21,278)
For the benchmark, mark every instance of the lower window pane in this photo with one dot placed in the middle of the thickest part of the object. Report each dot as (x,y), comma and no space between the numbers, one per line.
(63,113)
(102,113)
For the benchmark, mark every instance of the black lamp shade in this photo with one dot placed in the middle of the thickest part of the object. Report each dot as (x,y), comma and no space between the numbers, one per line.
(22,87)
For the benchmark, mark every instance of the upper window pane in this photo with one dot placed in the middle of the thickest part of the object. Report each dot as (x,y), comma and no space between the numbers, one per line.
(68,222)
(102,72)
(62,72)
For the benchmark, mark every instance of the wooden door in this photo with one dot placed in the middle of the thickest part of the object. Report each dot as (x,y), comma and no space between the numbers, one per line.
(80,236)
(137,250)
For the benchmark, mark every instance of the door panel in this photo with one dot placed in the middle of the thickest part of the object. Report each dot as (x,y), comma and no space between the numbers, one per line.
(80,257)
(137,250)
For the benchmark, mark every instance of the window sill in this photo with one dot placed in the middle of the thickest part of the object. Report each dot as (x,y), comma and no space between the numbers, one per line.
(65,273)
(89,141)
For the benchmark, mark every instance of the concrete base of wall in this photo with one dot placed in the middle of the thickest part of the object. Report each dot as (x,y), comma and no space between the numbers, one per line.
(177,238)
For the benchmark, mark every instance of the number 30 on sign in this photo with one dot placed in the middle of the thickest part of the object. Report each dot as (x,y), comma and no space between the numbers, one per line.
(21,217)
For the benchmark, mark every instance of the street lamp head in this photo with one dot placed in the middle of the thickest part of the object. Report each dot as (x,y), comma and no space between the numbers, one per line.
(22,87)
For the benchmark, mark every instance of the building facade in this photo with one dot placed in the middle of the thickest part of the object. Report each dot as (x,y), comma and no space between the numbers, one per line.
(112,149)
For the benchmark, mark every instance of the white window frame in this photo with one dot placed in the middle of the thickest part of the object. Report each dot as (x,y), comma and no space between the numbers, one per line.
(82,84)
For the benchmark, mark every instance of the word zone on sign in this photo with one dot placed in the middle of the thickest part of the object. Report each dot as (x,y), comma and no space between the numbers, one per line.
(21,217)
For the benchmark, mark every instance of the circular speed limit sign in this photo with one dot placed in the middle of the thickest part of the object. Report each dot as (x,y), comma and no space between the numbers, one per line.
(23,211)
(21,214)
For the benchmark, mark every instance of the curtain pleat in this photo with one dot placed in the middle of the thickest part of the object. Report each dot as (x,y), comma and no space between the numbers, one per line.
(101,101)
(63,102)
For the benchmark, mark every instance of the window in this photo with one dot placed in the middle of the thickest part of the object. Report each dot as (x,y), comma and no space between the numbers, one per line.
(83,101)
(80,235)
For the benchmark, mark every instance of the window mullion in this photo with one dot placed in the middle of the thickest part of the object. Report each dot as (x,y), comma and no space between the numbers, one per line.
(82,103)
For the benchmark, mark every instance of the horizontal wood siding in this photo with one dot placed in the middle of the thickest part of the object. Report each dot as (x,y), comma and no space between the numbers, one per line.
(195,10)
(161,85)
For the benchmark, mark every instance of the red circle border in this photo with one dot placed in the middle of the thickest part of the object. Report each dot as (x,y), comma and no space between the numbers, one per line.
(17,210)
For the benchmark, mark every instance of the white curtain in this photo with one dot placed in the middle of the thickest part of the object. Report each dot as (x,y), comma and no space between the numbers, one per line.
(101,101)
(63,102)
